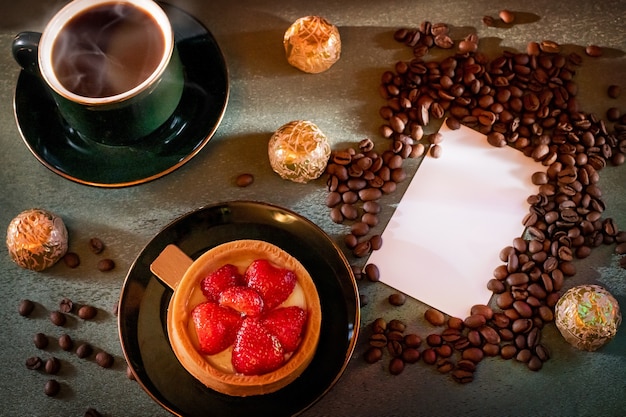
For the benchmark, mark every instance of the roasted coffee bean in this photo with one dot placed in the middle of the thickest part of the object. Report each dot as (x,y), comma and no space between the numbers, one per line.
(394,348)
(483,310)
(397,299)
(130,374)
(434,317)
(508,351)
(410,355)
(378,340)
(434,340)
(66,305)
(87,312)
(58,318)
(26,307)
(359,229)
(488,21)
(396,366)
(489,334)
(444,365)
(444,350)
(521,325)
(379,325)
(362,249)
(97,246)
(474,321)
(104,359)
(462,376)
(370,194)
(52,366)
(429,356)
(396,325)
(84,350)
(451,335)
(34,363)
(71,259)
(52,388)
(373,354)
(436,151)
(65,342)
(466,365)
(542,352)
(394,335)
(376,242)
(593,51)
(105,265)
(473,354)
(614,91)
(41,341)
(507,16)
(455,323)
(412,340)
(372,272)
(523,355)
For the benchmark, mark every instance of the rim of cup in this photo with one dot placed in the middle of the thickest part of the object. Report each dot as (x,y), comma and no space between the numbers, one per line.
(58,21)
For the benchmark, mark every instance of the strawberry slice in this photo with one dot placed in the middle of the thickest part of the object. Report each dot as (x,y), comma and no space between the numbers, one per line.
(216,326)
(216,282)
(256,351)
(245,300)
(273,283)
(287,324)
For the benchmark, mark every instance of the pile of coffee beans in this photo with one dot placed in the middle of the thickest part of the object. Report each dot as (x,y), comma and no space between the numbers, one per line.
(526,100)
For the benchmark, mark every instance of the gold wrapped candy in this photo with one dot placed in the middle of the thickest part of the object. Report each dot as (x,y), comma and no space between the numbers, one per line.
(36,239)
(587,316)
(299,151)
(312,44)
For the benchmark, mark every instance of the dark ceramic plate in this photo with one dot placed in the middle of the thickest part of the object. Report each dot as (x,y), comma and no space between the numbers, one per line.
(144,301)
(193,123)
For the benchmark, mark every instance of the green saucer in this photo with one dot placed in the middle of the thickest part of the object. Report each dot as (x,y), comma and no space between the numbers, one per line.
(203,104)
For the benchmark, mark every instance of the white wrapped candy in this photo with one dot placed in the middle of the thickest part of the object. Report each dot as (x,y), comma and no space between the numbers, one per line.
(587,316)
(36,239)
(299,151)
(312,44)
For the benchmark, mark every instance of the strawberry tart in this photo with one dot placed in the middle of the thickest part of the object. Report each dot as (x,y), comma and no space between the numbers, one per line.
(245,319)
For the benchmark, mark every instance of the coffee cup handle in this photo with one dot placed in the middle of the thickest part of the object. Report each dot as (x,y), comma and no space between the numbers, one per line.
(24,48)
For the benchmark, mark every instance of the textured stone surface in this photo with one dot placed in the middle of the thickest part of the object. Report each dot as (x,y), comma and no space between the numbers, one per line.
(267,92)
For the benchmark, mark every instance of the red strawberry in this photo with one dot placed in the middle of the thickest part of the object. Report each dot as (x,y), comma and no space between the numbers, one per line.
(256,351)
(245,300)
(273,283)
(287,324)
(216,326)
(214,283)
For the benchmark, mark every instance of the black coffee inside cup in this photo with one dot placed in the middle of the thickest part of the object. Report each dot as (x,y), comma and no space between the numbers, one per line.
(107,50)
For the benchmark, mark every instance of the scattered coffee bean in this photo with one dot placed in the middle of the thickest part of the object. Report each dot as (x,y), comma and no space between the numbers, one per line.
(53,365)
(614,91)
(372,273)
(129,373)
(488,21)
(462,376)
(34,363)
(96,245)
(52,388)
(26,307)
(66,305)
(87,312)
(593,51)
(244,180)
(58,318)
(41,341)
(507,16)
(65,342)
(105,265)
(84,350)
(397,299)
(434,317)
(71,259)
(104,359)
(396,366)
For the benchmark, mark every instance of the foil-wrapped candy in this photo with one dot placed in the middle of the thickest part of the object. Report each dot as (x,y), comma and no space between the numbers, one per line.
(299,151)
(312,44)
(36,239)
(588,316)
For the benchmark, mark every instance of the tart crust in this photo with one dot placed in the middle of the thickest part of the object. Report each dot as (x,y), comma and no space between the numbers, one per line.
(187,295)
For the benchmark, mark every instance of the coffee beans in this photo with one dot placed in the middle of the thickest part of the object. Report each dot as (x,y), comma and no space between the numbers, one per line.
(96,245)
(52,388)
(105,265)
(104,359)
(71,259)
(58,318)
(244,180)
(41,341)
(26,307)
(87,312)
(434,317)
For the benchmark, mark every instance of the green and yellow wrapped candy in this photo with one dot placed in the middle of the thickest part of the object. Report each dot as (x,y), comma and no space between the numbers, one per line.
(588,316)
